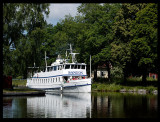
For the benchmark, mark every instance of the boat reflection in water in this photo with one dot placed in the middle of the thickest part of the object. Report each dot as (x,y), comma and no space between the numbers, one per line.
(66,105)
(82,105)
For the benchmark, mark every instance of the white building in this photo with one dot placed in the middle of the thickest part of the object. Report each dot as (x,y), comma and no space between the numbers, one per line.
(101,72)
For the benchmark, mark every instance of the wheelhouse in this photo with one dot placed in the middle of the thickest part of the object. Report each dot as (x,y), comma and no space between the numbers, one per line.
(66,66)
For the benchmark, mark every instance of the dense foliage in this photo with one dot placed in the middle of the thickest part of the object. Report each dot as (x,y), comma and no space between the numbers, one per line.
(121,35)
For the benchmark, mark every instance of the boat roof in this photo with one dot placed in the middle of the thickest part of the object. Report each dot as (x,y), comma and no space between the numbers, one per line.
(67,64)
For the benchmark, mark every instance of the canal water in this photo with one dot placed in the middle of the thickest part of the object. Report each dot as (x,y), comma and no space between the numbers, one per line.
(82,105)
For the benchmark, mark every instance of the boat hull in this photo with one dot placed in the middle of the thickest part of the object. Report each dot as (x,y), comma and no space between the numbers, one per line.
(83,85)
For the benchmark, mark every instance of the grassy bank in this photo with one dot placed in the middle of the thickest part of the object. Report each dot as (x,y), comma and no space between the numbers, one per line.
(112,87)
(14,90)
(20,82)
(132,85)
(19,88)
(22,92)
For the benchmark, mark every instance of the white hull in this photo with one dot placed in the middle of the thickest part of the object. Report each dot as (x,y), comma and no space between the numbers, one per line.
(83,85)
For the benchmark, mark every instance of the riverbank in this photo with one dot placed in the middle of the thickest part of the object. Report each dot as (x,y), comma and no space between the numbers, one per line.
(133,85)
(22,91)
(113,87)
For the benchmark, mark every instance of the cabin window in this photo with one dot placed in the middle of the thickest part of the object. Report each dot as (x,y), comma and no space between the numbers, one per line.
(49,69)
(83,66)
(55,68)
(79,66)
(76,66)
(72,66)
(67,67)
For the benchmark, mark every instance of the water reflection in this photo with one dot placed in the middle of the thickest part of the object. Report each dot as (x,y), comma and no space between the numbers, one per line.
(14,107)
(81,105)
(119,105)
(71,105)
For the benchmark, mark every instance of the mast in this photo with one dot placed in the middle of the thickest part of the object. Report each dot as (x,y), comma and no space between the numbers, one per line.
(90,65)
(73,55)
(70,48)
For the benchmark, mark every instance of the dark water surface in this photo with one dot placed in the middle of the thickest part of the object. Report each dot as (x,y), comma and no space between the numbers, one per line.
(82,105)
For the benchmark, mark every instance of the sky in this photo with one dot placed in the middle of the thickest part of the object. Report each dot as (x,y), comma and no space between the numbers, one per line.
(58,11)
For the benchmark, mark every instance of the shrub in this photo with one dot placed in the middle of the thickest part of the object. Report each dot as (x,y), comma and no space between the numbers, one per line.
(116,72)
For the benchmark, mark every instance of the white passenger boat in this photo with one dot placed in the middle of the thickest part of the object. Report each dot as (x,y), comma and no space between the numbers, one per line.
(62,76)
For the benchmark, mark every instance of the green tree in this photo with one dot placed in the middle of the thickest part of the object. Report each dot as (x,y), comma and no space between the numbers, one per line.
(19,20)
(98,33)
(144,44)
(122,30)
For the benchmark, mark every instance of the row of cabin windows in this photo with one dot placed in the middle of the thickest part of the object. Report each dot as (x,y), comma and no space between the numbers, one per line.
(60,67)
(48,80)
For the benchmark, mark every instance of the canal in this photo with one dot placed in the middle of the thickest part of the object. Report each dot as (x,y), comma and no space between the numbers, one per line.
(82,105)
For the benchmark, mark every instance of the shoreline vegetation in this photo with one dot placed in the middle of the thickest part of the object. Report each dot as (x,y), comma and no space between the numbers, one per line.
(133,85)
(105,87)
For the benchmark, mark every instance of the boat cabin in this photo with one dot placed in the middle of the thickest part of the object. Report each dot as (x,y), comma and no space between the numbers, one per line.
(66,66)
